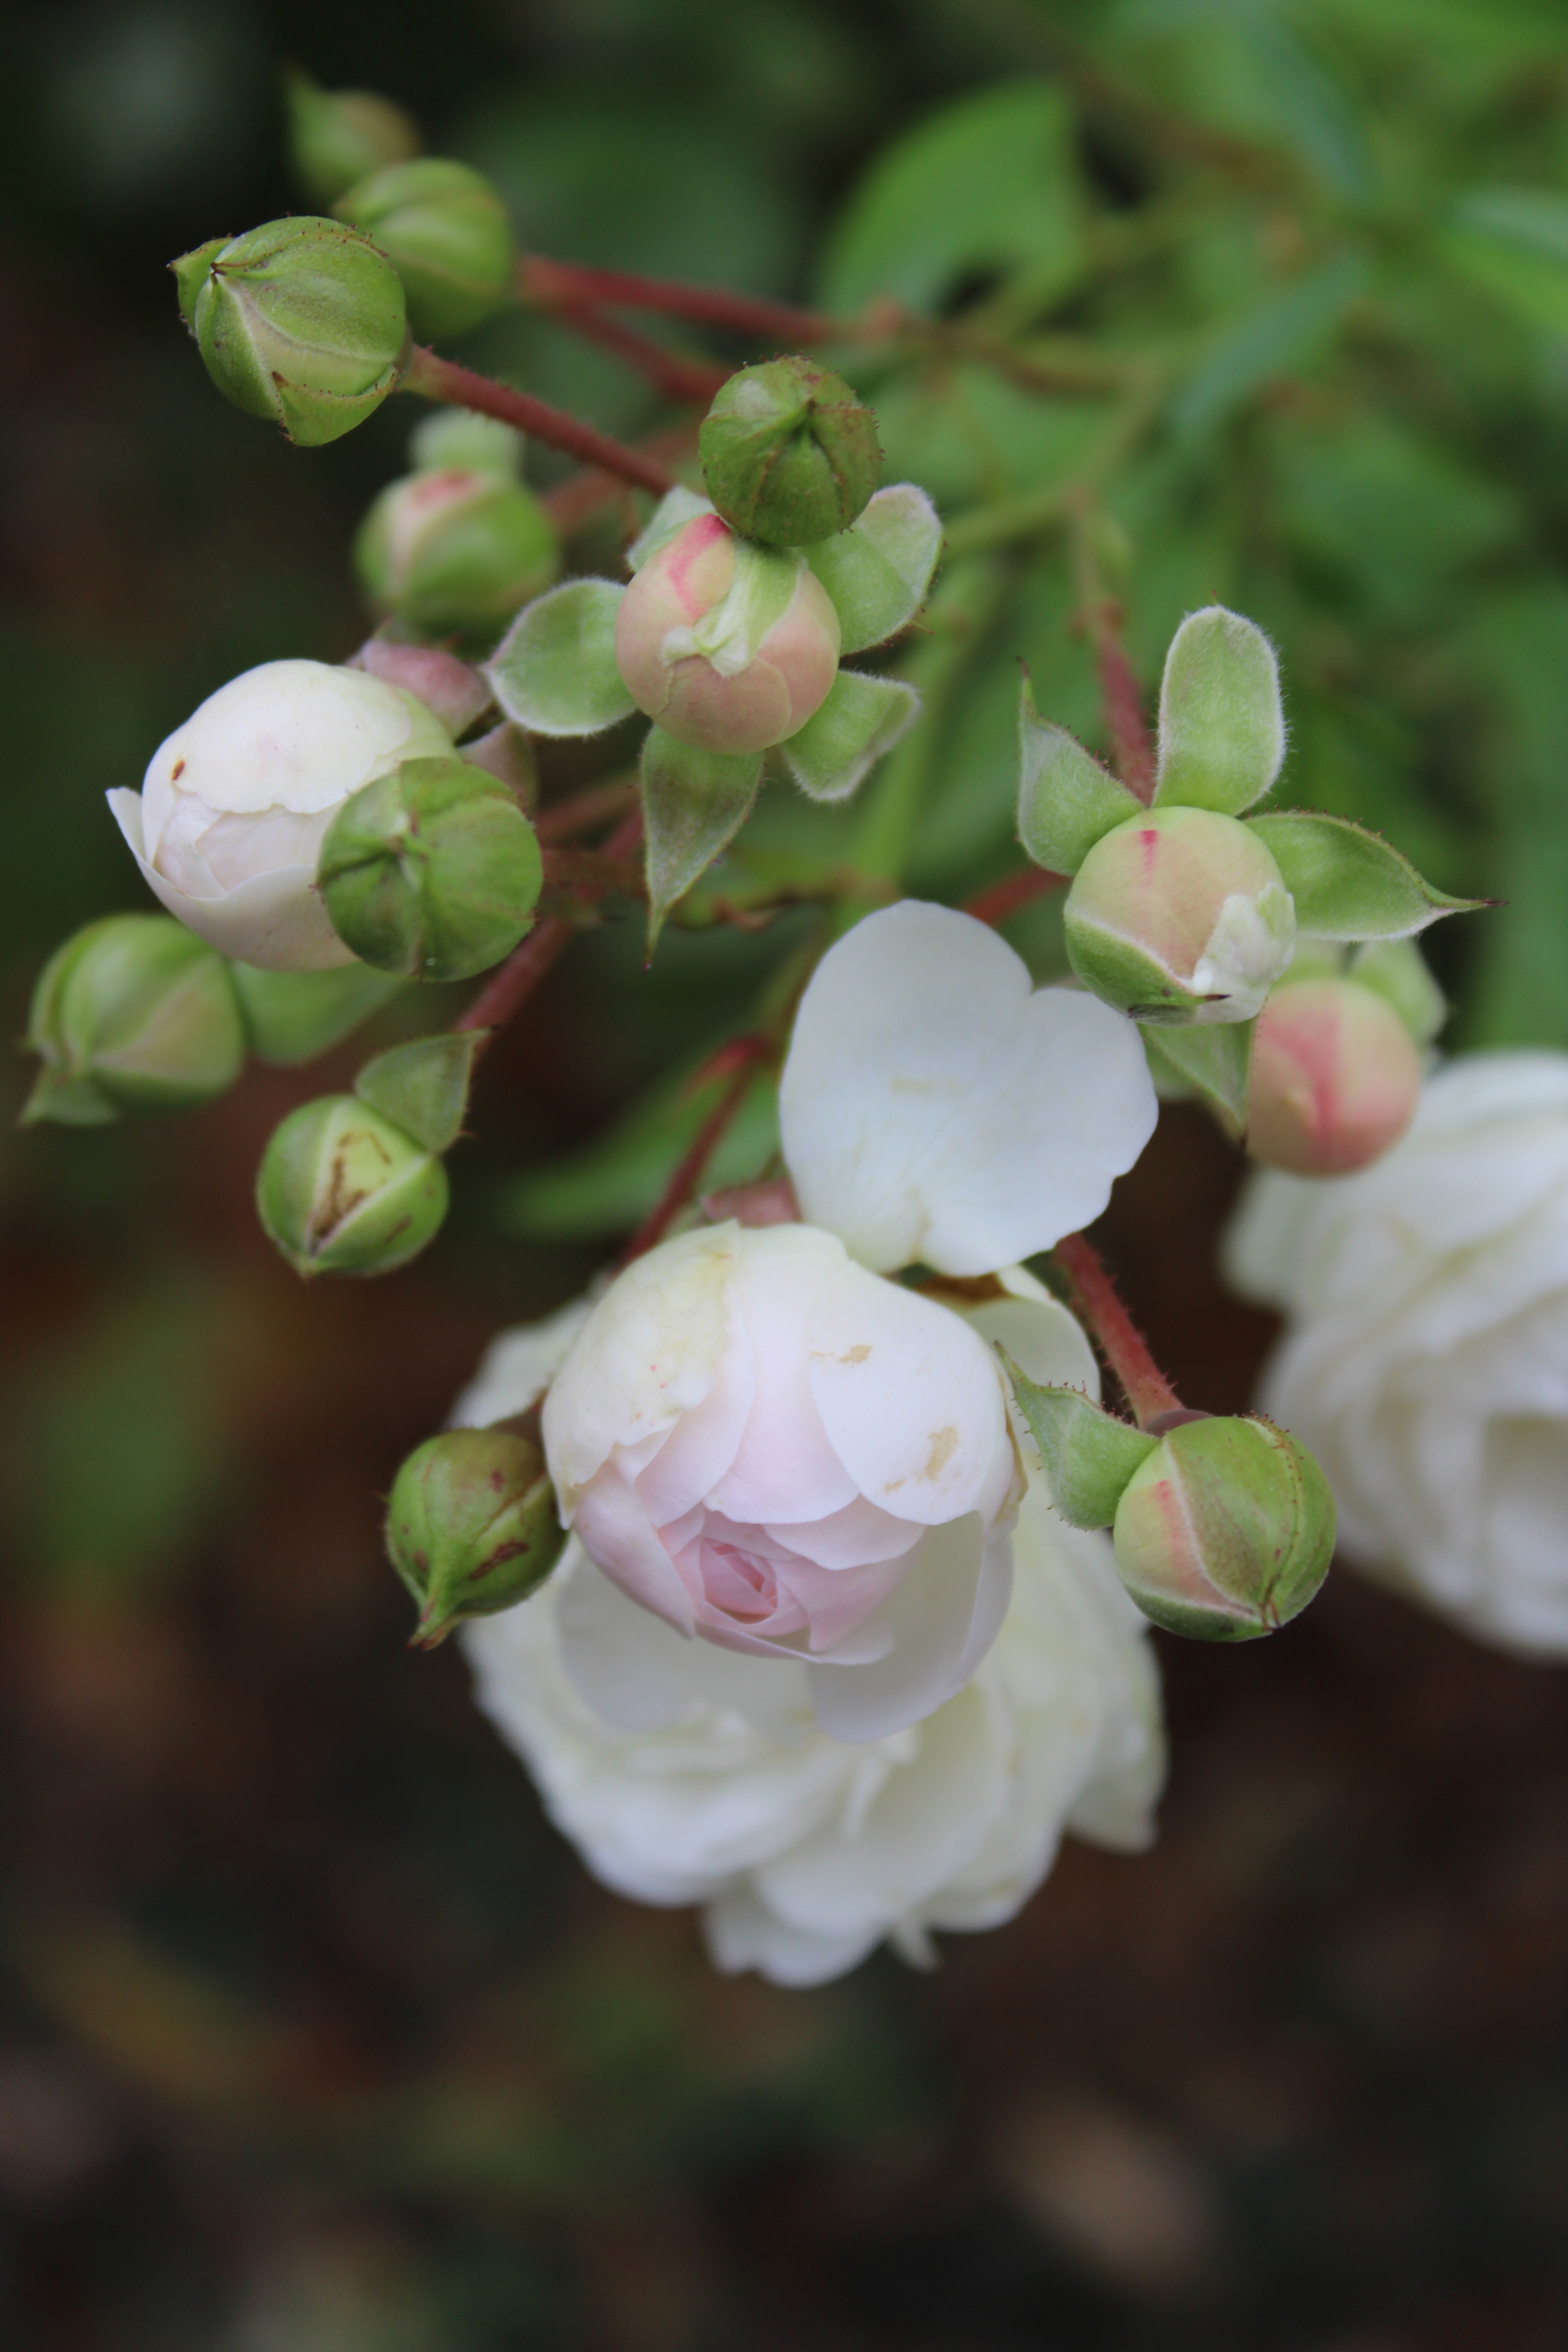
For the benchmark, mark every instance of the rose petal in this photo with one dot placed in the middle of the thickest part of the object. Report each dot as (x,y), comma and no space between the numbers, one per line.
(276,921)
(784,1466)
(944,1615)
(617,1536)
(846,1539)
(935,1107)
(517,1368)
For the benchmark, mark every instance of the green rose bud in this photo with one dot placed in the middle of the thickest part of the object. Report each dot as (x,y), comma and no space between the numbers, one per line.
(342,1190)
(433,871)
(472,1526)
(789,455)
(446,232)
(455,552)
(339,136)
(457,438)
(301,321)
(133,1014)
(1180,915)
(1226,1530)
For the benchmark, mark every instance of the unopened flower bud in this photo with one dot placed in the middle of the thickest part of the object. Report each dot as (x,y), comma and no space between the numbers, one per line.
(789,455)
(1226,1531)
(446,232)
(432,870)
(1335,1078)
(342,1190)
(455,552)
(1180,915)
(133,1014)
(459,438)
(301,321)
(339,136)
(730,646)
(471,1527)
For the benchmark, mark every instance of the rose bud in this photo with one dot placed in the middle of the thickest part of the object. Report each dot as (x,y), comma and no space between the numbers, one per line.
(729,645)
(455,552)
(445,231)
(1226,1531)
(471,1527)
(339,136)
(433,871)
(301,321)
(234,805)
(1180,915)
(132,1013)
(1336,1077)
(789,455)
(342,1190)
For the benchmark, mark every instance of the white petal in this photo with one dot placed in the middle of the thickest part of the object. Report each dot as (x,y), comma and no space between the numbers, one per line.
(698,1451)
(517,1368)
(741,1933)
(943,1617)
(293,734)
(845,1539)
(935,1107)
(276,921)
(618,1536)
(910,1396)
(785,1467)
(639,1676)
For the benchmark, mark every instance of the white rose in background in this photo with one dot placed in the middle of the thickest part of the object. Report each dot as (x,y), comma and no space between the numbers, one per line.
(775,1448)
(1425,1360)
(229,822)
(691,1773)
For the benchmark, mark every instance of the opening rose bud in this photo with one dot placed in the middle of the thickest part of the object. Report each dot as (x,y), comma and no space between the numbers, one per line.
(446,232)
(455,550)
(1180,915)
(789,455)
(471,1527)
(133,1014)
(302,321)
(234,808)
(342,1190)
(1335,1078)
(730,646)
(1226,1531)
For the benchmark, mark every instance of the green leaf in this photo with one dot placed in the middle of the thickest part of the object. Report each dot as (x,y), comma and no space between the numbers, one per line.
(1067,801)
(988,183)
(1087,1456)
(1273,338)
(862,717)
(1210,1059)
(878,572)
(554,671)
(693,803)
(292,1016)
(1514,243)
(423,1087)
(1349,884)
(674,511)
(1222,729)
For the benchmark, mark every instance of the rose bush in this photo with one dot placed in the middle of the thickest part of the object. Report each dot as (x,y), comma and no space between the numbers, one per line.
(1425,1360)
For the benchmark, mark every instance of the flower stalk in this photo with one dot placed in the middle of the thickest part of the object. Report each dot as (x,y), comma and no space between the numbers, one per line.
(1120,1341)
(434,378)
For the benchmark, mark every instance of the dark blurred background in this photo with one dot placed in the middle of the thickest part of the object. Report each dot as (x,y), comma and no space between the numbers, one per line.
(313,2037)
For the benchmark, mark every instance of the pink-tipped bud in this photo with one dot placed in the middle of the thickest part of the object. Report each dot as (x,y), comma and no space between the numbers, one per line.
(1180,915)
(730,646)
(1335,1078)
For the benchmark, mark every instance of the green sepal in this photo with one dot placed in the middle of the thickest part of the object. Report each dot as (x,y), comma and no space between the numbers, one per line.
(554,671)
(1396,971)
(674,511)
(1349,884)
(190,274)
(694,802)
(292,1016)
(862,717)
(878,572)
(67,1102)
(1067,801)
(1088,1455)
(423,1087)
(1222,726)
(1212,1060)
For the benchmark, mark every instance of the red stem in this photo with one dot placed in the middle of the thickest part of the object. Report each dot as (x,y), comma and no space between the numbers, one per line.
(695,381)
(1133,751)
(580,812)
(1000,899)
(1122,1345)
(683,1184)
(514,982)
(439,379)
(556,283)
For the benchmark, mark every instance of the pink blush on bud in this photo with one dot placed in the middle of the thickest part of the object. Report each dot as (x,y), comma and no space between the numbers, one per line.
(1335,1078)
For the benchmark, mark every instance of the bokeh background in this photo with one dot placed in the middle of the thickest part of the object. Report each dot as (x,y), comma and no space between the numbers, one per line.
(313,2037)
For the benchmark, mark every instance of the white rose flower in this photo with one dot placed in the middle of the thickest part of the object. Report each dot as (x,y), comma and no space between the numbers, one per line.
(229,822)
(1425,1357)
(776,1449)
(691,1773)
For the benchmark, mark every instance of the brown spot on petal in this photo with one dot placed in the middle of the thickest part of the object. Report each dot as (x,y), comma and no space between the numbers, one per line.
(176,772)
(943,1446)
(856,1355)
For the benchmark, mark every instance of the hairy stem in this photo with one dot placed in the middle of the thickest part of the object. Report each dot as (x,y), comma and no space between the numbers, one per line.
(434,378)
(1000,899)
(513,982)
(744,1053)
(1121,1342)
(553,285)
(692,381)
